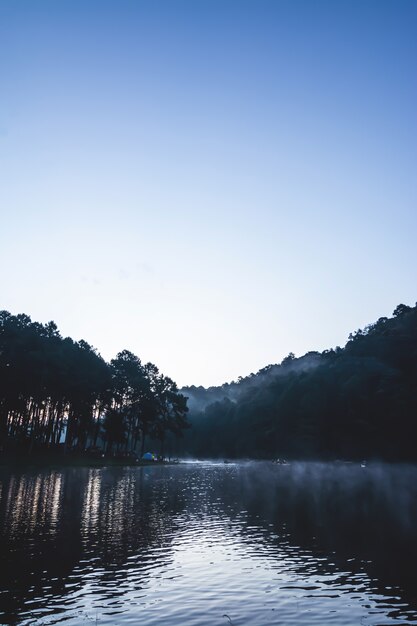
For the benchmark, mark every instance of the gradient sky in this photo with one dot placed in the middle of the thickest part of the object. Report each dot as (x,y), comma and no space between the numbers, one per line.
(208,183)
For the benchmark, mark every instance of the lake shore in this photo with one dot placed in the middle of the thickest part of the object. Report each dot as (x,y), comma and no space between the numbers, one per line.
(72,460)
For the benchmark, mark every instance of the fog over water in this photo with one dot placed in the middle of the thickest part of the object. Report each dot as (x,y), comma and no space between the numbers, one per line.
(259,543)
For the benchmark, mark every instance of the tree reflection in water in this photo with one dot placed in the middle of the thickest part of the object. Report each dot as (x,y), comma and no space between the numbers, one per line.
(110,533)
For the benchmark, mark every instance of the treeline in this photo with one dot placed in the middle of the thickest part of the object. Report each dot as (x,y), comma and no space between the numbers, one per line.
(355,402)
(59,394)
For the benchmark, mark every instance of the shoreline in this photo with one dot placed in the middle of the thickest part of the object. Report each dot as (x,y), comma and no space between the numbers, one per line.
(54,462)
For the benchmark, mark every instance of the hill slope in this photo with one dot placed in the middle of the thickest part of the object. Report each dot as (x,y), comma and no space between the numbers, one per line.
(359,401)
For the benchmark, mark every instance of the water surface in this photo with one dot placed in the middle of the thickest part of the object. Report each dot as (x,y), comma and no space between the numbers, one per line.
(252,544)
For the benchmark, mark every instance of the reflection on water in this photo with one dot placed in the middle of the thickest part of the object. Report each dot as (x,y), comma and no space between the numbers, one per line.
(252,544)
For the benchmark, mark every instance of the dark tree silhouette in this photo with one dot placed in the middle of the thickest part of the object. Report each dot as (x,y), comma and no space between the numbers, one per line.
(356,402)
(57,394)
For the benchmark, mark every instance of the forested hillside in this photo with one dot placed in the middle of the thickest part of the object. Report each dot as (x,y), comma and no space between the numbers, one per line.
(59,394)
(355,402)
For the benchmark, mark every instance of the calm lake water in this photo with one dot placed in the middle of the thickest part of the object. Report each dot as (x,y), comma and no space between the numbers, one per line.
(251,544)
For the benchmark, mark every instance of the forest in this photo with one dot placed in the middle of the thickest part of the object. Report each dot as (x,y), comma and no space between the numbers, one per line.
(60,396)
(356,402)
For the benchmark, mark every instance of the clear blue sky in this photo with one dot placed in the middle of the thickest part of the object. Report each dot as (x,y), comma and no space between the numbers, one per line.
(208,183)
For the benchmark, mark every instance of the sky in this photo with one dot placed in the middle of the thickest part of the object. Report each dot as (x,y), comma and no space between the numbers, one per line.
(210,184)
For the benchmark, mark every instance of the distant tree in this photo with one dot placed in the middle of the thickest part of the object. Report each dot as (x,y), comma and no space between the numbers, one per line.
(171,410)
(401,309)
(53,389)
(288,359)
(353,402)
(114,428)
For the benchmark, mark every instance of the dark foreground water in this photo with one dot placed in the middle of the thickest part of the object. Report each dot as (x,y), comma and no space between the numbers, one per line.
(251,544)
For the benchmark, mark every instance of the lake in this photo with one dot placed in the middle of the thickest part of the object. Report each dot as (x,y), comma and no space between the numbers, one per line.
(196,544)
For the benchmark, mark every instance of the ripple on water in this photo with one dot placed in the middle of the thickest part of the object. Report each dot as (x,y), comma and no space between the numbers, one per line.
(208,544)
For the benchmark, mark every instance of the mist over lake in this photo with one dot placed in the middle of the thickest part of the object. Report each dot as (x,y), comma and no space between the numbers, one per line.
(208,317)
(252,544)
